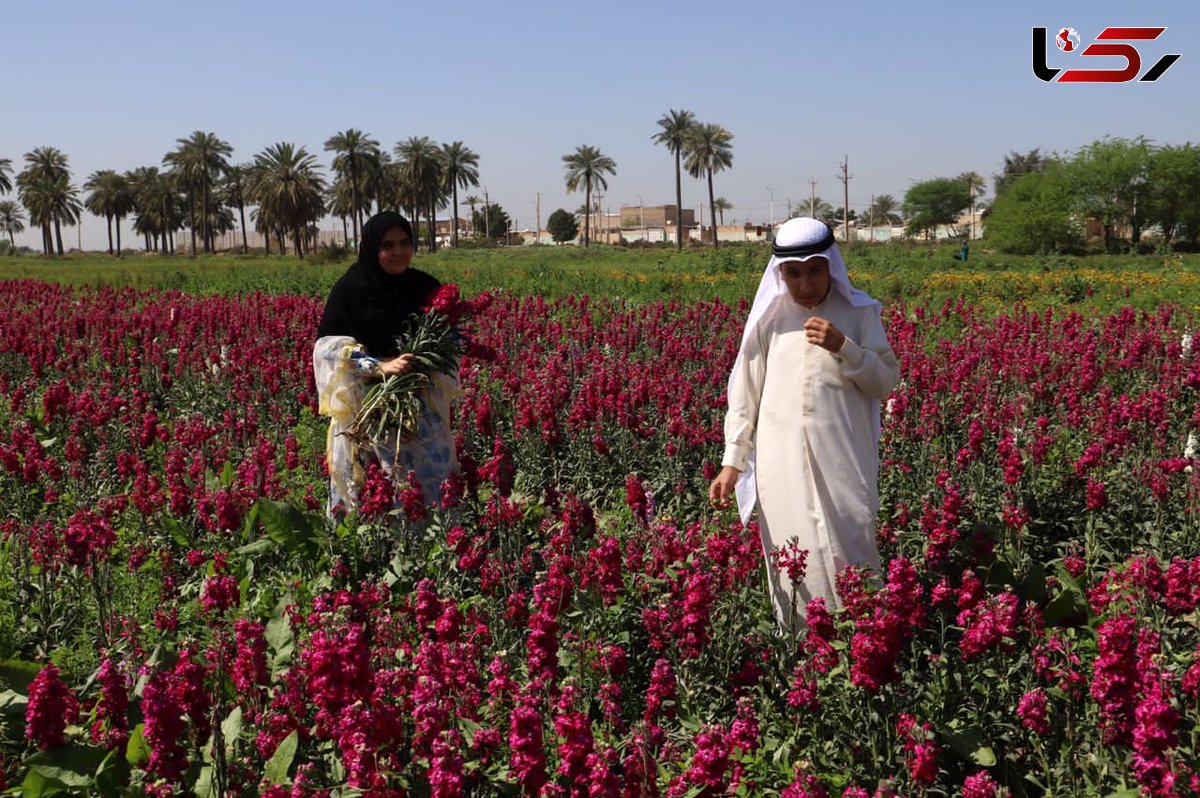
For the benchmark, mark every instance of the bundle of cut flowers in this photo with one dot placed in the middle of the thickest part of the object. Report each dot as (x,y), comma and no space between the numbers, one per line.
(437,339)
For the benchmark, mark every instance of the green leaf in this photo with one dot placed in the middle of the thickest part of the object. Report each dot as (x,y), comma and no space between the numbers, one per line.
(113,774)
(1070,603)
(137,751)
(259,546)
(289,527)
(277,767)
(278,633)
(984,756)
(36,785)
(177,531)
(73,765)
(231,728)
(204,787)
(12,713)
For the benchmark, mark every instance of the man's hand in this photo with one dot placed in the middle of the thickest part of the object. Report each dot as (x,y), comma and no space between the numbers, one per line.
(721,491)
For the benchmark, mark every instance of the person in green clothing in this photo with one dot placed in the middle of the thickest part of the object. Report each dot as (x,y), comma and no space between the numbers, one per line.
(964,252)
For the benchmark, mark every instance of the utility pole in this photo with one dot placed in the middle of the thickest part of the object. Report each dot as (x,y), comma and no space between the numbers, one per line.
(771,194)
(538,204)
(812,197)
(845,178)
(871,216)
(487,231)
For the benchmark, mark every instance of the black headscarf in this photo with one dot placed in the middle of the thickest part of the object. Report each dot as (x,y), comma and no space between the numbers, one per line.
(371,305)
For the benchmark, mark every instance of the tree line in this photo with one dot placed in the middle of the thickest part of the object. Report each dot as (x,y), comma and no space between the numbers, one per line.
(199,189)
(1132,193)
(1120,193)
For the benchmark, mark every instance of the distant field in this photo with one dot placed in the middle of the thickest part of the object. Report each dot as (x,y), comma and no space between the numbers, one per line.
(913,273)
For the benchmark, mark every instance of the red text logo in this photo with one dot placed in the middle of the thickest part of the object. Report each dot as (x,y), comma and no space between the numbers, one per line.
(1110,42)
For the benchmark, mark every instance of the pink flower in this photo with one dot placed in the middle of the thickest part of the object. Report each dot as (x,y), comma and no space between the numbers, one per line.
(219,594)
(638,499)
(52,706)
(660,691)
(710,762)
(1032,711)
(979,785)
(111,727)
(528,758)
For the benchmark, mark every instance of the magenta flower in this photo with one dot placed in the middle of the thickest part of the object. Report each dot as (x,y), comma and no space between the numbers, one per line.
(51,708)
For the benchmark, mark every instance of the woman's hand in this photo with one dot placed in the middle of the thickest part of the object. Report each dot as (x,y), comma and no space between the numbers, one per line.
(824,334)
(722,488)
(396,365)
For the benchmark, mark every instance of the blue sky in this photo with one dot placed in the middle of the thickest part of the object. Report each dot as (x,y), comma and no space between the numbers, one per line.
(908,91)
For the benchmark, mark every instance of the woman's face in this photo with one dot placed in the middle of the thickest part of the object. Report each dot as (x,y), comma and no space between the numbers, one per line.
(395,251)
(807,281)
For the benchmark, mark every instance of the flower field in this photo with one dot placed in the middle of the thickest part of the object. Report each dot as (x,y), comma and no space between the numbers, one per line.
(178,616)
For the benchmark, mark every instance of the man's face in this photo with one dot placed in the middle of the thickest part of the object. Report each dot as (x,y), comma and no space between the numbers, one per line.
(807,281)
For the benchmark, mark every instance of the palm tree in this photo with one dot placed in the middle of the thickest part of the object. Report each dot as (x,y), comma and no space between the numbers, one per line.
(884,210)
(975,184)
(237,180)
(289,191)
(472,201)
(340,201)
(708,148)
(11,220)
(199,160)
(5,171)
(676,127)
(390,188)
(1017,164)
(817,208)
(354,149)
(460,165)
(110,197)
(587,166)
(157,206)
(422,170)
(44,187)
(721,205)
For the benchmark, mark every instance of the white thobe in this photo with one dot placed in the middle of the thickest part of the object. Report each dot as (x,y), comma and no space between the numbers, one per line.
(810,417)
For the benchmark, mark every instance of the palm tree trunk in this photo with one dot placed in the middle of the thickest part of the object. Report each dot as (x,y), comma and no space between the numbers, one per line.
(712,209)
(242,211)
(296,238)
(47,240)
(118,236)
(267,243)
(207,228)
(454,217)
(354,200)
(108,223)
(587,212)
(678,206)
(192,218)
(11,241)
(432,223)
(58,236)
(345,231)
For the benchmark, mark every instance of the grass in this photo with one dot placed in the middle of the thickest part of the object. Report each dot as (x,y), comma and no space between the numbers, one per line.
(911,273)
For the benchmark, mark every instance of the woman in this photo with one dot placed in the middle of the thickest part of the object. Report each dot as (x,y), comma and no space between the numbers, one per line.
(802,427)
(368,307)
